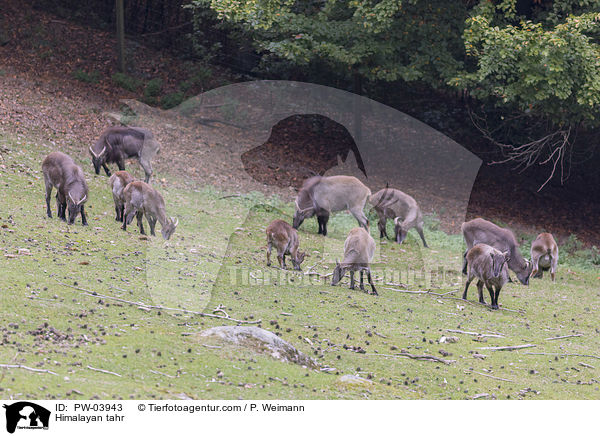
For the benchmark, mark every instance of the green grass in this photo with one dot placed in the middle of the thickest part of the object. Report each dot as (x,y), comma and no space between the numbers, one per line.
(217,258)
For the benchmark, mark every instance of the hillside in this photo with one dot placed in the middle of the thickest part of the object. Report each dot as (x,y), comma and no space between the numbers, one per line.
(76,300)
(97,313)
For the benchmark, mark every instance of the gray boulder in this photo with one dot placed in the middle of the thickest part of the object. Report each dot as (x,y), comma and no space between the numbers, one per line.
(260,341)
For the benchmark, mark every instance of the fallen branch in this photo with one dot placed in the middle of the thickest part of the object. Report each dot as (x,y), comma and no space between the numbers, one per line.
(103,371)
(310,268)
(483,335)
(449,292)
(402,285)
(494,377)
(477,396)
(508,347)
(145,306)
(446,296)
(310,272)
(415,356)
(230,196)
(563,337)
(162,373)
(404,291)
(477,303)
(565,355)
(47,371)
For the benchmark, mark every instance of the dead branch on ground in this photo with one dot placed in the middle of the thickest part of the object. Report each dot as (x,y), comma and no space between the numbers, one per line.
(145,306)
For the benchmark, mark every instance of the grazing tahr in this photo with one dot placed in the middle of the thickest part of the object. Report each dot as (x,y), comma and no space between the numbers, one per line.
(62,172)
(142,199)
(321,196)
(544,256)
(488,265)
(402,208)
(359,250)
(118,181)
(285,239)
(485,232)
(119,143)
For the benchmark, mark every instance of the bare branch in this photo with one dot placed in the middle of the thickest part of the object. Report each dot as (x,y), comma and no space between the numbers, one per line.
(145,306)
(508,347)
(47,371)
(415,357)
(565,355)
(483,335)
(103,371)
(553,148)
(564,337)
(494,377)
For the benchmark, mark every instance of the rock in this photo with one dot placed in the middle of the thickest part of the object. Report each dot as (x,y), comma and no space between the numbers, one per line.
(448,340)
(354,380)
(261,341)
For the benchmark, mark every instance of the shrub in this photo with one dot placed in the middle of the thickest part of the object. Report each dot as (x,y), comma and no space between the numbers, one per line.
(171,100)
(153,88)
(126,82)
(83,76)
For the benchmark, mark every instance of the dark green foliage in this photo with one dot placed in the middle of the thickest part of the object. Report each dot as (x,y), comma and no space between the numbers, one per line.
(171,100)
(152,91)
(126,82)
(153,88)
(84,76)
(541,58)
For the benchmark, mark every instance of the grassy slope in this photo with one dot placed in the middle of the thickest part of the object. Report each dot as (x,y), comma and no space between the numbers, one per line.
(50,326)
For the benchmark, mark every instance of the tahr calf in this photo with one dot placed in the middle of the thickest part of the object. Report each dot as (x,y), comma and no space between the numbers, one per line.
(544,256)
(285,239)
(359,250)
(118,181)
(489,266)
(62,172)
(142,199)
